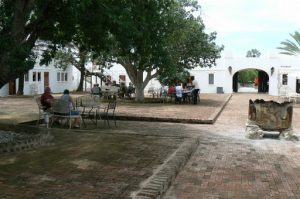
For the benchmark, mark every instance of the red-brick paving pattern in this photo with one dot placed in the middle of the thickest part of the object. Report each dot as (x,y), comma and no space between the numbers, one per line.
(228,165)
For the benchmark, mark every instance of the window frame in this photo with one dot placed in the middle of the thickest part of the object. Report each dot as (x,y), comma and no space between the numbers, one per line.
(211,79)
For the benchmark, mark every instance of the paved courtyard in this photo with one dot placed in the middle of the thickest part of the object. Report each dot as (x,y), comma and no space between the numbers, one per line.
(228,165)
(225,164)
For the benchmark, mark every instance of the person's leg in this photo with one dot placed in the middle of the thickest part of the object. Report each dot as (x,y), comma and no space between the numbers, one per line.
(195,95)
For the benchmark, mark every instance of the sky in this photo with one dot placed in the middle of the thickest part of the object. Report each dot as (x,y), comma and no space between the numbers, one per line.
(242,25)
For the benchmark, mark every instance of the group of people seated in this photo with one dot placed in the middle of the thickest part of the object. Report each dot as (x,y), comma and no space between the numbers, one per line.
(120,90)
(113,89)
(47,98)
(182,92)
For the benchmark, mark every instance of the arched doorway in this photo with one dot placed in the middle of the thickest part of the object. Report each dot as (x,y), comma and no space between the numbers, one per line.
(262,81)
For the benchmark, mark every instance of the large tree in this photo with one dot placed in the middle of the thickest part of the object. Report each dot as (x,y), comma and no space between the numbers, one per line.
(159,37)
(25,22)
(22,23)
(291,47)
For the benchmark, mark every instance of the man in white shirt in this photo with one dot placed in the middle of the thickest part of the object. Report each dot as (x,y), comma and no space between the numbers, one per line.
(195,90)
(179,91)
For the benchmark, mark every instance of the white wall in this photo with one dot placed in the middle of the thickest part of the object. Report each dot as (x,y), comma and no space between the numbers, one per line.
(4,91)
(222,76)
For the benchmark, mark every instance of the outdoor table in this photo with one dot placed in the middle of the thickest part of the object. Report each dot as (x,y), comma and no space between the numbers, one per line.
(90,106)
(107,93)
(187,96)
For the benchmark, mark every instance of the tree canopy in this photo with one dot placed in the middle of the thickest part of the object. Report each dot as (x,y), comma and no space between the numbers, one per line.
(23,23)
(154,37)
(160,38)
(253,53)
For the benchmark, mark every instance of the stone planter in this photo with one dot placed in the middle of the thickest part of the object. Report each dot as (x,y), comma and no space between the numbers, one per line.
(264,116)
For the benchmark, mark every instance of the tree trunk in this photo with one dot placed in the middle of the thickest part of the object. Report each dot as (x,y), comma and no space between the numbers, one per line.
(82,75)
(139,92)
(21,85)
(81,68)
(139,86)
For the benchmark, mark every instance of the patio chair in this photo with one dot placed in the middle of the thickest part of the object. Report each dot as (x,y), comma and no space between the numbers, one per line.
(43,115)
(61,109)
(108,112)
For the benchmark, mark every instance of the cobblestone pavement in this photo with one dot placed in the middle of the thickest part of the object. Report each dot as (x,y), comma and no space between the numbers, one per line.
(228,165)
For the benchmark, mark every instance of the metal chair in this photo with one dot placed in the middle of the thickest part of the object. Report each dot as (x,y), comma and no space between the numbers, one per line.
(109,112)
(43,115)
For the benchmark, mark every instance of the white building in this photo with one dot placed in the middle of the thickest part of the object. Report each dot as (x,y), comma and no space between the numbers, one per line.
(41,76)
(276,74)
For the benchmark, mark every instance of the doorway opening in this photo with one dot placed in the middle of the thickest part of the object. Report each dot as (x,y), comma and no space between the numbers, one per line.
(250,80)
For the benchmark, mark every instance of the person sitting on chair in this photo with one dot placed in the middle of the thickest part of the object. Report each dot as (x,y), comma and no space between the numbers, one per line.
(179,92)
(46,98)
(130,90)
(67,97)
(96,90)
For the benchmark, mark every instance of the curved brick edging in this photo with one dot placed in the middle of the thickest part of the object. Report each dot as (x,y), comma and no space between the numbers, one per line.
(210,120)
(33,137)
(157,185)
(218,112)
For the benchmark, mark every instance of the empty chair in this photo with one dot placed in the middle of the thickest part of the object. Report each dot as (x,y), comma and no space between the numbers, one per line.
(108,112)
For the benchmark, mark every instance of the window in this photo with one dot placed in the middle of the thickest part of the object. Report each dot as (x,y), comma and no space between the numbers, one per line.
(66,77)
(122,78)
(284,79)
(62,77)
(26,77)
(210,78)
(33,76)
(39,76)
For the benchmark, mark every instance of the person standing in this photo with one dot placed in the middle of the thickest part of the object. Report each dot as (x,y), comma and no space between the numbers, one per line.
(196,89)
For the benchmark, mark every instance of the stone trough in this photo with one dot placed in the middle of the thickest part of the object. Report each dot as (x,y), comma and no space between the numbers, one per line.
(270,116)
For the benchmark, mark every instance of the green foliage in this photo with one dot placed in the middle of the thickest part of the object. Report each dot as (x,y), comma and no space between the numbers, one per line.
(247,75)
(253,53)
(180,77)
(291,47)
(158,37)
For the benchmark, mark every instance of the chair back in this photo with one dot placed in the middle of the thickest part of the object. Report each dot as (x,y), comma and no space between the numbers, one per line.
(112,105)
(38,101)
(87,101)
(60,107)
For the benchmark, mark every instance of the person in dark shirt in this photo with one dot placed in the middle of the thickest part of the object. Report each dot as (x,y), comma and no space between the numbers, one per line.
(46,98)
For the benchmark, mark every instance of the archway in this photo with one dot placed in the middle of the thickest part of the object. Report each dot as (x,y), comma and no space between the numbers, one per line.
(262,81)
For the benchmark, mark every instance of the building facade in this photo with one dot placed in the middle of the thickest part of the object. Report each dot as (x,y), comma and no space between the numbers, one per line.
(275,76)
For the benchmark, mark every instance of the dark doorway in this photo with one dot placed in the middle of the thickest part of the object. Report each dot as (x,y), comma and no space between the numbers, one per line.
(235,82)
(46,79)
(297,85)
(263,82)
(12,87)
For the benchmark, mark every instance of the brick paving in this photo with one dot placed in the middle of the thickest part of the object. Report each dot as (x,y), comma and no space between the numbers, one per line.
(228,165)
(225,163)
